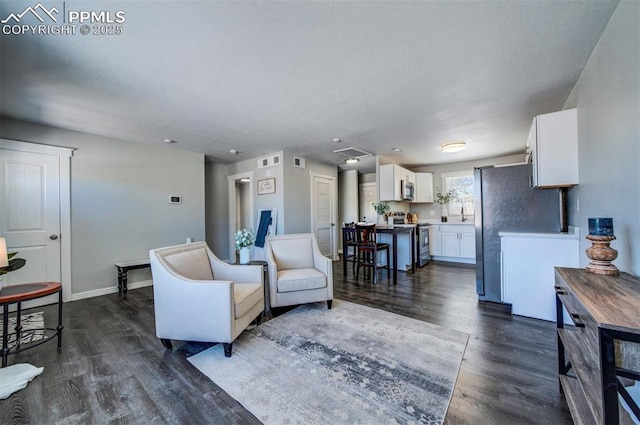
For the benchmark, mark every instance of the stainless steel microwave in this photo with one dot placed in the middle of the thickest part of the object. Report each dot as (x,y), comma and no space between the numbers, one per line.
(408,190)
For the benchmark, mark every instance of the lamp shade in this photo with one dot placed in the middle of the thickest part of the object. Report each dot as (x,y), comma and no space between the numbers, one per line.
(4,261)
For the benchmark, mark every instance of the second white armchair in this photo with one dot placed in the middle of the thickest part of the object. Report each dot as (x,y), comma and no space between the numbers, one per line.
(298,272)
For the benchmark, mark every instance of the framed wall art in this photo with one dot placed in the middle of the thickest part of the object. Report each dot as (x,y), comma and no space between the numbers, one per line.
(267,186)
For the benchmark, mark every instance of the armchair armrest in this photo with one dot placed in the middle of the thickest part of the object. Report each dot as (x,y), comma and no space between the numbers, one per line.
(180,302)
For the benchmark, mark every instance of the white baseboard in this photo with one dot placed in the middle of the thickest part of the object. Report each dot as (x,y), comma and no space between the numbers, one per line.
(109,290)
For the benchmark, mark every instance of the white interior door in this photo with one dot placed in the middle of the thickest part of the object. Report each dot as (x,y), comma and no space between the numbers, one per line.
(368,195)
(30,216)
(323,210)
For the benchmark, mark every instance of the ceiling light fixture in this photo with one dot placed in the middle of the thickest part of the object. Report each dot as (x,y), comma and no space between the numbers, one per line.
(396,149)
(337,140)
(168,141)
(452,147)
(233,152)
(351,161)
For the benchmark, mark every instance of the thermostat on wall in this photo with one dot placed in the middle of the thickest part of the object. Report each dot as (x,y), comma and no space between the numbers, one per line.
(175,199)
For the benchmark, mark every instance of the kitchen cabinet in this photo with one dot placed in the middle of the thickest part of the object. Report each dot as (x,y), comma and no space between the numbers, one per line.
(526,269)
(458,241)
(591,355)
(435,241)
(390,180)
(424,187)
(552,147)
(453,242)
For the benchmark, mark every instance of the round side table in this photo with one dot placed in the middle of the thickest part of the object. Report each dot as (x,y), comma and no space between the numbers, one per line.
(16,294)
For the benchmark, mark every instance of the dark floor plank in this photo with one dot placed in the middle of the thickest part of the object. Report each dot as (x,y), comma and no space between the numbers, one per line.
(113,369)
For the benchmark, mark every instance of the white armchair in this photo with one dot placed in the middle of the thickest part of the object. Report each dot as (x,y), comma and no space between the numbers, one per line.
(298,272)
(198,297)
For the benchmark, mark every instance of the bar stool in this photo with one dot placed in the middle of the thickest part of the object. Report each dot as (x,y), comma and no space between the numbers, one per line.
(368,248)
(349,243)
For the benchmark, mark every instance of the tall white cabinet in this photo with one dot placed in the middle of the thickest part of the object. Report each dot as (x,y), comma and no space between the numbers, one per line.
(527,274)
(553,149)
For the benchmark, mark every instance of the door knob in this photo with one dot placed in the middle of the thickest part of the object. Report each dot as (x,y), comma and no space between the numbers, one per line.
(53,237)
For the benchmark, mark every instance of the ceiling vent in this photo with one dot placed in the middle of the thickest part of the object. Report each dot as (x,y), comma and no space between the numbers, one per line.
(299,162)
(353,153)
(269,161)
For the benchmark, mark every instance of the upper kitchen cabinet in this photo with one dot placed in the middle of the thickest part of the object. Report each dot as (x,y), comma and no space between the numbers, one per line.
(424,187)
(391,180)
(553,149)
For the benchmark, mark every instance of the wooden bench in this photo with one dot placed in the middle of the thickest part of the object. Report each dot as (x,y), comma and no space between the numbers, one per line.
(123,269)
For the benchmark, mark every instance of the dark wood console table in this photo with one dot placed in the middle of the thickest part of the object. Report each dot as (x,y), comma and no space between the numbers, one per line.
(123,270)
(16,294)
(604,310)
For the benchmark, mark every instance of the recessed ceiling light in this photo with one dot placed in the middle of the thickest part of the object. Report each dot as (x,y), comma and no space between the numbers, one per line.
(396,149)
(245,180)
(168,141)
(451,147)
(233,152)
(351,161)
(337,140)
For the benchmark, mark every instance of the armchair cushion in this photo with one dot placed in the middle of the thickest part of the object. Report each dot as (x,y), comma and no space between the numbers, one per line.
(292,253)
(192,264)
(245,296)
(301,280)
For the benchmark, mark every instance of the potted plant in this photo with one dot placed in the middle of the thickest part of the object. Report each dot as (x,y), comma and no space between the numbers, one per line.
(244,239)
(382,208)
(444,199)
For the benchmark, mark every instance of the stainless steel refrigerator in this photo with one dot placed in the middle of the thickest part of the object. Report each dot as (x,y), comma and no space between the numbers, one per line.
(505,202)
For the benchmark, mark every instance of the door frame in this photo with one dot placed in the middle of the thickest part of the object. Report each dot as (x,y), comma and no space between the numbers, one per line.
(64,157)
(334,212)
(231,181)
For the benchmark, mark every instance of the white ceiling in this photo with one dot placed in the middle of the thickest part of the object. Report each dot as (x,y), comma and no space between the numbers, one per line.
(261,77)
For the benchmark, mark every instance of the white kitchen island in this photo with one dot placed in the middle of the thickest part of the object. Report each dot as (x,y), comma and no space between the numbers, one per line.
(405,247)
(527,274)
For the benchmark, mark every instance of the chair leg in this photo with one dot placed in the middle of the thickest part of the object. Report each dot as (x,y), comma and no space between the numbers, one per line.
(329,302)
(166,343)
(227,348)
(388,266)
(375,267)
(358,266)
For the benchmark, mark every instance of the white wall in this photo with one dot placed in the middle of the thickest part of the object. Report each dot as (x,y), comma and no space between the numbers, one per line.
(217,209)
(348,204)
(120,201)
(607,96)
(275,200)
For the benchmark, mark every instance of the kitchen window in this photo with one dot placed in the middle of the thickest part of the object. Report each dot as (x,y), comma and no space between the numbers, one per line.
(461,182)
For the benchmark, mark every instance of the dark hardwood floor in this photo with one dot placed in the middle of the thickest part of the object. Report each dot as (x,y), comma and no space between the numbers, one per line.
(112,368)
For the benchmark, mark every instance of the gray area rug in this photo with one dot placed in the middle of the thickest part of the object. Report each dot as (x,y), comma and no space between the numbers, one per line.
(348,365)
(32,328)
